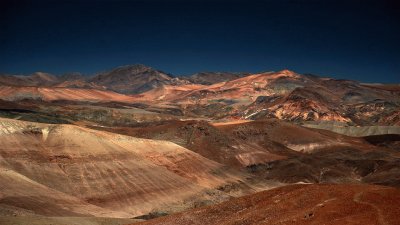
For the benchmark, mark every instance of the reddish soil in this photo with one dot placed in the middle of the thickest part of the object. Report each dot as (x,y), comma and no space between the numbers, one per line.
(300,204)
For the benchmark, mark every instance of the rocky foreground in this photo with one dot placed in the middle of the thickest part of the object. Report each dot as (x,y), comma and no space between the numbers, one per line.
(300,204)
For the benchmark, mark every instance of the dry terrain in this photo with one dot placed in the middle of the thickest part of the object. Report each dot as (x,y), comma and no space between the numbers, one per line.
(66,170)
(300,204)
(136,144)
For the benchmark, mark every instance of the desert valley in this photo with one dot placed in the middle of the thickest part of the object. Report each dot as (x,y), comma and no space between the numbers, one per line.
(136,145)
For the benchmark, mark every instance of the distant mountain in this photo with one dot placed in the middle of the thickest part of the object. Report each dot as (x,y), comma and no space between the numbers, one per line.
(40,79)
(246,88)
(132,79)
(208,78)
(129,79)
(10,93)
(301,104)
(76,80)
(285,95)
(35,79)
(71,76)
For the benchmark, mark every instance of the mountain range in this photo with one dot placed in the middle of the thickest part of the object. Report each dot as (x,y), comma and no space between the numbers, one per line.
(136,145)
(284,94)
(129,79)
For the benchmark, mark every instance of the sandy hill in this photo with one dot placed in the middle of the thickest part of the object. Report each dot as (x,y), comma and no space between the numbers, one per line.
(65,170)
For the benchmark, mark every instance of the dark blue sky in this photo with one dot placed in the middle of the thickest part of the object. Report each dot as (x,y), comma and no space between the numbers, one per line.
(357,40)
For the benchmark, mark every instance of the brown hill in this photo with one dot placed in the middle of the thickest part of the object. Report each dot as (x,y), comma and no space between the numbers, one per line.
(65,170)
(131,79)
(206,140)
(301,104)
(280,151)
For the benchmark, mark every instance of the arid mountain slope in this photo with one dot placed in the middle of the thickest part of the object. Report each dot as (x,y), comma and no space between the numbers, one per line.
(301,104)
(280,151)
(317,156)
(245,88)
(299,204)
(208,78)
(285,95)
(132,79)
(65,170)
(206,140)
(138,143)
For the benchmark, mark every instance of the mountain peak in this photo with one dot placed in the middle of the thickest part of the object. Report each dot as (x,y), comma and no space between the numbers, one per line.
(134,67)
(132,78)
(127,70)
(288,72)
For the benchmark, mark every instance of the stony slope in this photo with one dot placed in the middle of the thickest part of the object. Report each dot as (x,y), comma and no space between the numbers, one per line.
(300,204)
